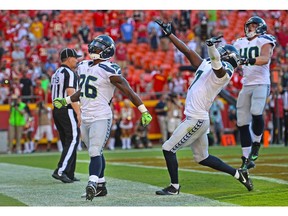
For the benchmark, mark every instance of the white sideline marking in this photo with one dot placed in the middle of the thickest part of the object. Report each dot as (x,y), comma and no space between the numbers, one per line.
(35,187)
(273,180)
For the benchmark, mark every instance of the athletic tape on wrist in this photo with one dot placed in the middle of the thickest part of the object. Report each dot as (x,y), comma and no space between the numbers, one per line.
(68,100)
(214,57)
(142,108)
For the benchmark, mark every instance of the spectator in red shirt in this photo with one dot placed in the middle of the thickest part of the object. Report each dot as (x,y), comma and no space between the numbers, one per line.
(42,49)
(159,83)
(281,33)
(99,21)
(142,33)
(69,31)
(121,54)
(112,15)
(46,27)
(57,26)
(113,31)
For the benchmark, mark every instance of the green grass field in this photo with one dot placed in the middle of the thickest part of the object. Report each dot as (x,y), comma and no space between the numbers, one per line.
(133,176)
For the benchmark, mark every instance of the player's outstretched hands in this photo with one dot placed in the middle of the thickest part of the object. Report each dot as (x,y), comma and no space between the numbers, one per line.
(59,102)
(213,40)
(146,119)
(166,27)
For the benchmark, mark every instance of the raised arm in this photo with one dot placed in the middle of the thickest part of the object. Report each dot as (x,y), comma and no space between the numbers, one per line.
(215,56)
(191,55)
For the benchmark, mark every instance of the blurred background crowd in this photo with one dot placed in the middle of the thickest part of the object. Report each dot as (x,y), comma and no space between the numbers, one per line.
(30,41)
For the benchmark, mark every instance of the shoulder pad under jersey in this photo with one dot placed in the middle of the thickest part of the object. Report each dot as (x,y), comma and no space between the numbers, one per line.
(269,37)
(110,67)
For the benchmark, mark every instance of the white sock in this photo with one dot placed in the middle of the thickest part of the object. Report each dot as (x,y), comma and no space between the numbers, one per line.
(246,151)
(101,180)
(26,147)
(79,147)
(237,175)
(93,178)
(128,142)
(175,186)
(59,146)
(111,144)
(32,146)
(124,145)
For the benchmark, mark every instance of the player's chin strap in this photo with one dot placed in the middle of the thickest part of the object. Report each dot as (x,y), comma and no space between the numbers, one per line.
(214,57)
(95,56)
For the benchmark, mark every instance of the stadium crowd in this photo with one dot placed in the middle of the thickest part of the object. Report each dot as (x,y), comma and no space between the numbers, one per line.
(30,41)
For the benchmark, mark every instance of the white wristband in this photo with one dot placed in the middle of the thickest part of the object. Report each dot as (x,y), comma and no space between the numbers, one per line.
(68,100)
(142,108)
(215,57)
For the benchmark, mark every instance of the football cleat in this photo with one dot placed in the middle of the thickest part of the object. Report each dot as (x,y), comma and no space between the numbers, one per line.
(64,178)
(170,190)
(100,191)
(244,179)
(247,163)
(91,189)
(254,151)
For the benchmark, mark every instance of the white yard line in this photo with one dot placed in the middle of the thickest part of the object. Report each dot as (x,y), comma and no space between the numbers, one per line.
(253,176)
(35,187)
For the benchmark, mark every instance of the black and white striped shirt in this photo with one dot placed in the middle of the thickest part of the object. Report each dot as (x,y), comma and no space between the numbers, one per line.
(62,79)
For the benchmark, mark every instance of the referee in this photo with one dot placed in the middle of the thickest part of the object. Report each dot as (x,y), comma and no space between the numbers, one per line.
(64,82)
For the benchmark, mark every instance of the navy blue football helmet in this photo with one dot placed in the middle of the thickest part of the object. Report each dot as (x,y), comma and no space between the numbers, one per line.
(101,47)
(260,29)
(229,54)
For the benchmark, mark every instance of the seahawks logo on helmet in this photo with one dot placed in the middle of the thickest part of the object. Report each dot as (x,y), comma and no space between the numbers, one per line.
(229,54)
(101,47)
(260,29)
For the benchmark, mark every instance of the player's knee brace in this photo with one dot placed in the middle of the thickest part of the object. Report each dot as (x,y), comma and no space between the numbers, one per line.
(245,136)
(258,124)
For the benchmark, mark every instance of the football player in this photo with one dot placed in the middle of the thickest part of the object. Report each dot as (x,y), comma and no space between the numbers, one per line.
(211,76)
(255,50)
(98,80)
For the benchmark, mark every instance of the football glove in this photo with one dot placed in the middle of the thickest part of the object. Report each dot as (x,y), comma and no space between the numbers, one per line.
(244,61)
(213,40)
(247,61)
(166,27)
(146,119)
(59,102)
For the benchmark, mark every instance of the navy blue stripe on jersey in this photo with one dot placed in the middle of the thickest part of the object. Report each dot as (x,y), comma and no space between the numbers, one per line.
(228,68)
(229,73)
(187,136)
(108,69)
(268,37)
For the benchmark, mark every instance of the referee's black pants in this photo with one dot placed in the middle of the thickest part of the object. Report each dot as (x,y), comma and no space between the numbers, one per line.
(65,120)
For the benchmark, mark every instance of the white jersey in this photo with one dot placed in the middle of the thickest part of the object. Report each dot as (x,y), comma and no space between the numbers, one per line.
(96,89)
(255,74)
(204,88)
